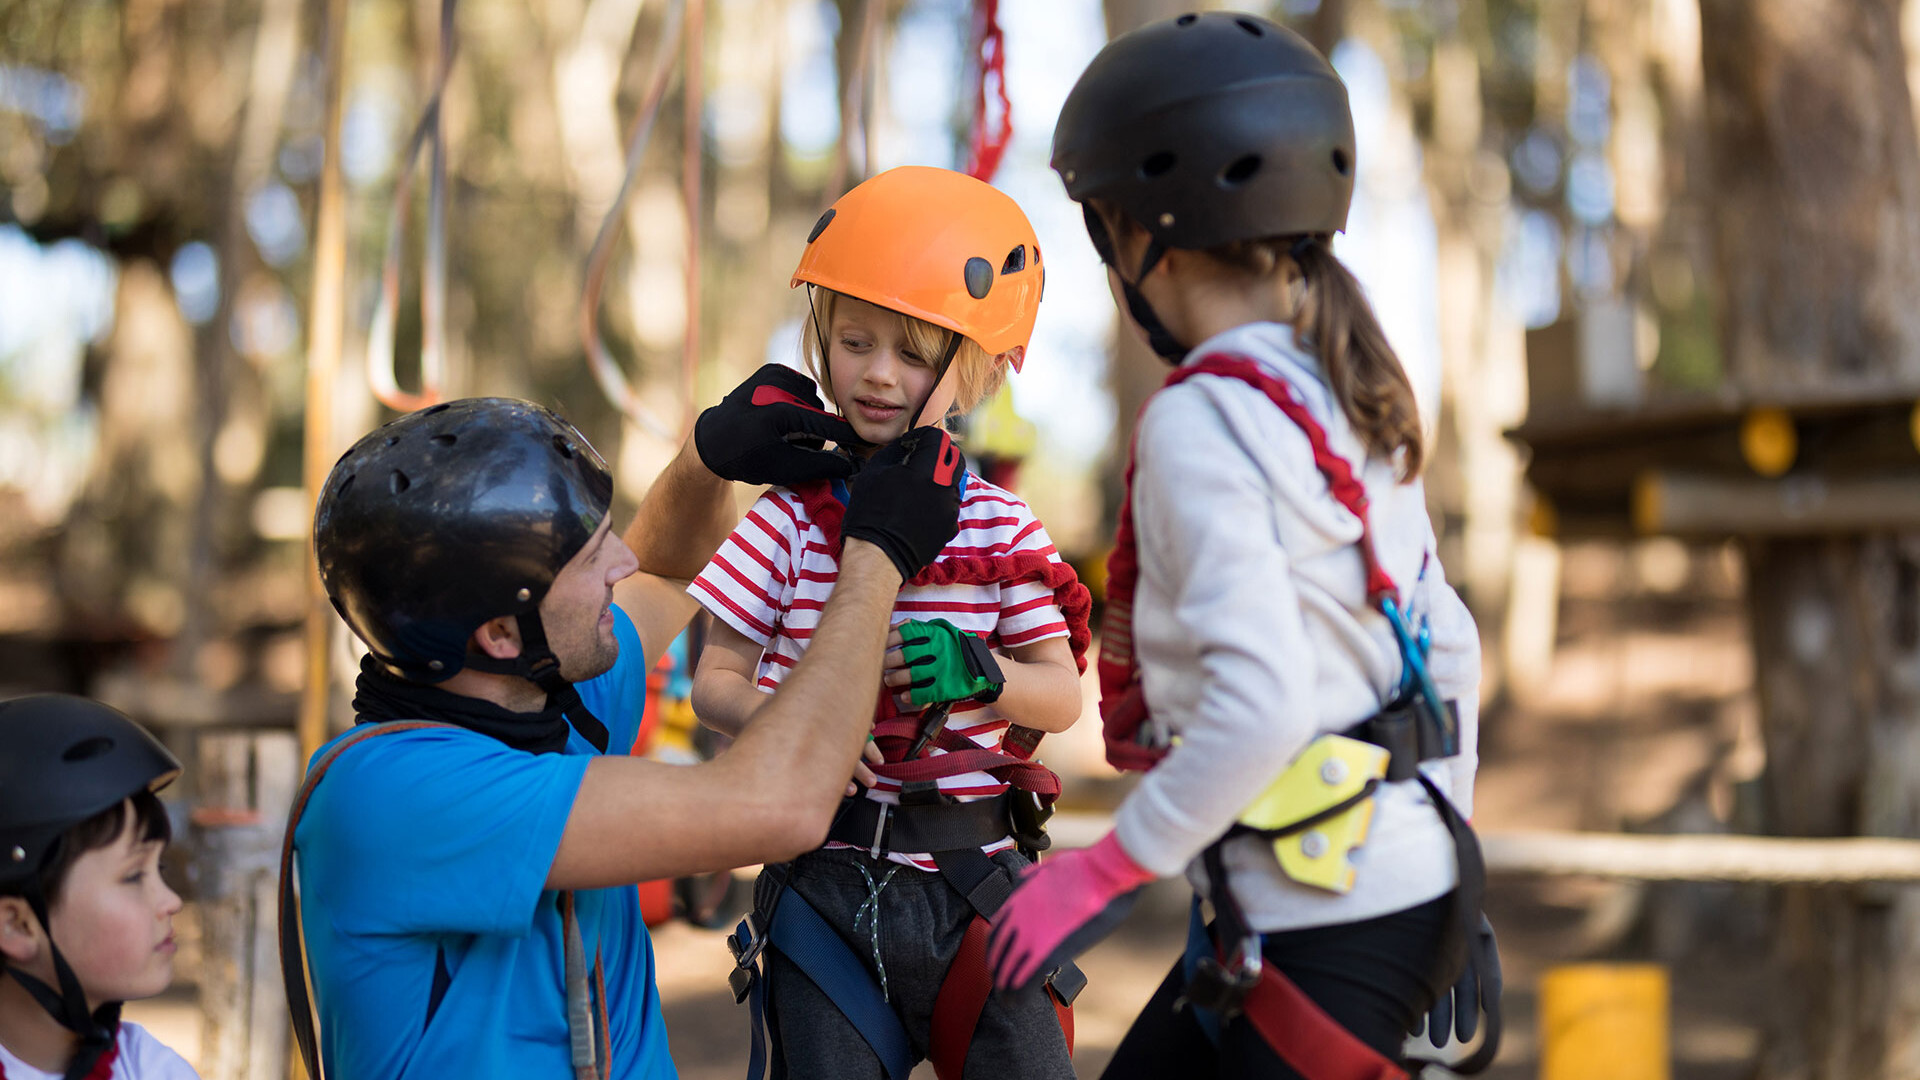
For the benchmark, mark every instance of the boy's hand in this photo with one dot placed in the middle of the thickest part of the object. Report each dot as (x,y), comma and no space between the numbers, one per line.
(772,429)
(863,775)
(935,661)
(906,499)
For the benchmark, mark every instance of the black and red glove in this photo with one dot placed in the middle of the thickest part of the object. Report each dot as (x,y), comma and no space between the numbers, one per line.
(773,429)
(906,499)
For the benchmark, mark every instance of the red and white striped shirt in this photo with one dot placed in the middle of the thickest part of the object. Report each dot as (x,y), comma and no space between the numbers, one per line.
(771,578)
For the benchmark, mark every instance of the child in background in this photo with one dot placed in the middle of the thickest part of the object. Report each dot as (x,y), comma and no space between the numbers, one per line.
(85,920)
(923,287)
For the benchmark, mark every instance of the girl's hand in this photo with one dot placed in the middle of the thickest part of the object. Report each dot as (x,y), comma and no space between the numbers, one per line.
(862,775)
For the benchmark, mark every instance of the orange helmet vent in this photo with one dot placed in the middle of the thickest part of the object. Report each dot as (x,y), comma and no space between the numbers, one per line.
(934,244)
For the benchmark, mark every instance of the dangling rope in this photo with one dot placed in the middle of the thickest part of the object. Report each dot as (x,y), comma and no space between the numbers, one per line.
(692,161)
(989,138)
(613,382)
(853,106)
(433,286)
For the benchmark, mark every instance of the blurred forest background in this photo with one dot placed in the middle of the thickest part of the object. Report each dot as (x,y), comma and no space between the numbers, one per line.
(1651,264)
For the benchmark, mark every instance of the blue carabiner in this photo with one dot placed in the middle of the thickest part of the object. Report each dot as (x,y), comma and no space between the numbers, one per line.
(1415,676)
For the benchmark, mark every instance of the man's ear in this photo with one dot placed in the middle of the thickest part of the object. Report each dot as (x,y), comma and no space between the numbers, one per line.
(20,933)
(1011,358)
(498,638)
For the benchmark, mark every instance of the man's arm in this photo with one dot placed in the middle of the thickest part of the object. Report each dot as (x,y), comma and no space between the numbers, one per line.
(685,516)
(772,795)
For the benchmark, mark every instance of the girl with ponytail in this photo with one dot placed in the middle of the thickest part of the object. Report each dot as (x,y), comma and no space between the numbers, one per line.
(1281,652)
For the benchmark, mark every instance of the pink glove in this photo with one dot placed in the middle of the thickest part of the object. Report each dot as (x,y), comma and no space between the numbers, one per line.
(1060,909)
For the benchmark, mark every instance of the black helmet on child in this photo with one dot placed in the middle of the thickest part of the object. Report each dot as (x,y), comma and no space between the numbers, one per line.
(1209,129)
(451,516)
(64,760)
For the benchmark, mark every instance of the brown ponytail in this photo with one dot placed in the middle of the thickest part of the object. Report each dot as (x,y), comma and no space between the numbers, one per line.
(1334,320)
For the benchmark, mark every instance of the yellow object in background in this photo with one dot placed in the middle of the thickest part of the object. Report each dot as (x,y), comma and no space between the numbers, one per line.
(1331,770)
(1604,1022)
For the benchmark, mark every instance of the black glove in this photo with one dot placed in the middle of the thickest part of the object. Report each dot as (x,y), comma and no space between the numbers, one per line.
(1476,993)
(906,499)
(772,429)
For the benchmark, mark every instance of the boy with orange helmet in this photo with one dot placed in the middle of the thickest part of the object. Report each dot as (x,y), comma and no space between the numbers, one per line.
(923,285)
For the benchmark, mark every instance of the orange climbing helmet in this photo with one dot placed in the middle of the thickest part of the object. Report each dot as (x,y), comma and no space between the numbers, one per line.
(934,244)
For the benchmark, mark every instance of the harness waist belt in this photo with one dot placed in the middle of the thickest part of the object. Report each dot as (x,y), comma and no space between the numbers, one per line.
(930,827)
(1409,731)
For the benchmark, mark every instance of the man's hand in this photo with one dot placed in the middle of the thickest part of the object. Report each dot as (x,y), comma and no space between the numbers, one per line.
(772,429)
(906,499)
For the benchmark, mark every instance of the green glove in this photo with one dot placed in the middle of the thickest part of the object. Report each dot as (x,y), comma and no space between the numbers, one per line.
(948,663)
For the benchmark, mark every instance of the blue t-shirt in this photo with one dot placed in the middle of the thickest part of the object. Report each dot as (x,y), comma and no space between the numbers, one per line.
(441,839)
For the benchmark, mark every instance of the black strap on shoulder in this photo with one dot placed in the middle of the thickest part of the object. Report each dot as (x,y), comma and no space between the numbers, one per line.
(293,950)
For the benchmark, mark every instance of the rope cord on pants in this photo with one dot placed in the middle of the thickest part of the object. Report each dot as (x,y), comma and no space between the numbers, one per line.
(870,910)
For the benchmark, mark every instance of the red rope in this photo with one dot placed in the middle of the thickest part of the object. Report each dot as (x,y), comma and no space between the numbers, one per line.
(1123,709)
(990,136)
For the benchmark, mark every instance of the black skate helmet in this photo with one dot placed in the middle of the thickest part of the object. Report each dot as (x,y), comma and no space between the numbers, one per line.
(1205,130)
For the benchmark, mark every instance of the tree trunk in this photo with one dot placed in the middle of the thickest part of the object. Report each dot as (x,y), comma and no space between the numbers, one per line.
(1816,215)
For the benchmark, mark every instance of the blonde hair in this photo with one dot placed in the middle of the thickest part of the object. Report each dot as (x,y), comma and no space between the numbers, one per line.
(975,375)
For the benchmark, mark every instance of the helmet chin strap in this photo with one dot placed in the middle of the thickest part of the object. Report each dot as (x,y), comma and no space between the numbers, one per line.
(538,665)
(68,1005)
(939,376)
(940,373)
(1159,338)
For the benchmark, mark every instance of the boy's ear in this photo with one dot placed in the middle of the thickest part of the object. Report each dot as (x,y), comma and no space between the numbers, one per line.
(1011,358)
(20,933)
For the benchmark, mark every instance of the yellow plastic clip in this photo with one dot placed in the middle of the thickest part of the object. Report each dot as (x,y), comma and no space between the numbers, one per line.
(1330,771)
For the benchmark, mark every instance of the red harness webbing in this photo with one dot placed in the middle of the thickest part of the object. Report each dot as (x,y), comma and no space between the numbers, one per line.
(1122,707)
(1314,1044)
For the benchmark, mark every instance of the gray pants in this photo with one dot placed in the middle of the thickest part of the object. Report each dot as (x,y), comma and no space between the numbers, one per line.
(922,920)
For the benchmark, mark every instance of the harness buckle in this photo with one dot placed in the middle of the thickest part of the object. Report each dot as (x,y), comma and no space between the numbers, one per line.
(1222,989)
(746,943)
(882,831)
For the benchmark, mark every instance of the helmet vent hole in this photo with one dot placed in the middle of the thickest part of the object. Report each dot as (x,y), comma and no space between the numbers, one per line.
(979,276)
(1016,260)
(821,225)
(1186,20)
(398,482)
(1240,171)
(87,749)
(1342,163)
(1157,165)
(393,440)
(445,440)
(561,444)
(440,408)
(345,485)
(1250,27)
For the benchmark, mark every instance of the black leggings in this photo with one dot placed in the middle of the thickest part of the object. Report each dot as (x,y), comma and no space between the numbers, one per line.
(1373,977)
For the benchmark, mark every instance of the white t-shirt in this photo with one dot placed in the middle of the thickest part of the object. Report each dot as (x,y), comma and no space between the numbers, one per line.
(1254,634)
(140,1057)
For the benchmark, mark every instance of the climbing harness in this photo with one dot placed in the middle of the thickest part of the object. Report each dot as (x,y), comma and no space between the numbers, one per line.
(589,1036)
(1318,810)
(925,820)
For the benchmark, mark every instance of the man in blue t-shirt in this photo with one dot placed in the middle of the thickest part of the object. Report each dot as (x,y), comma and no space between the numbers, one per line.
(465,884)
